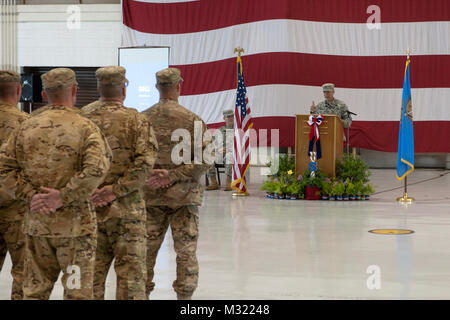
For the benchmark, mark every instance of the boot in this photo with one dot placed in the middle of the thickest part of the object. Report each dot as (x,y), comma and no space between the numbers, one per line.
(228,184)
(213,185)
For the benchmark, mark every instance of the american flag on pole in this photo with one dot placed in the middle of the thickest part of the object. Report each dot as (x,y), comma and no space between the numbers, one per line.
(242,125)
(295,46)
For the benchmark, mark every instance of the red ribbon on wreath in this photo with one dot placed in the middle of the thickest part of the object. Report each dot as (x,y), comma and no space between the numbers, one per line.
(314,134)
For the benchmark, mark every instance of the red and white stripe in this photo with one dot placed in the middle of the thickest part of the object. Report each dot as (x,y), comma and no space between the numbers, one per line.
(292,47)
(241,154)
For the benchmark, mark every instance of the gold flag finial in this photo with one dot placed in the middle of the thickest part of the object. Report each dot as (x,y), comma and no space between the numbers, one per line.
(408,52)
(238,50)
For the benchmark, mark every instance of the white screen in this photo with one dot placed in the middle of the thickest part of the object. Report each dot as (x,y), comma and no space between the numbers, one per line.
(141,65)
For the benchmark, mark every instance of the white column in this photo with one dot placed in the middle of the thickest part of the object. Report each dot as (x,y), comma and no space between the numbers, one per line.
(8,34)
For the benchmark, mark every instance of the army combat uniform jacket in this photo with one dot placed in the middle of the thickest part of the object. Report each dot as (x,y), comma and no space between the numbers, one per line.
(134,149)
(166,117)
(10,119)
(336,107)
(42,153)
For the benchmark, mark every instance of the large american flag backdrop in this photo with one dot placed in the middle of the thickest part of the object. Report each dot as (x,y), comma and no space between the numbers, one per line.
(292,47)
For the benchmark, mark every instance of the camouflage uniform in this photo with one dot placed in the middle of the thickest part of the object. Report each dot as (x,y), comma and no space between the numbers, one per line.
(177,205)
(121,224)
(11,211)
(58,149)
(336,107)
(224,158)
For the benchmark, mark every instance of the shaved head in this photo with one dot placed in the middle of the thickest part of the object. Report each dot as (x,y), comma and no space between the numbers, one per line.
(58,94)
(66,96)
(110,91)
(8,90)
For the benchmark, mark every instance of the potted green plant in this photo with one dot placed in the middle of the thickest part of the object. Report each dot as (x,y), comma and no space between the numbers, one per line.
(367,191)
(269,186)
(358,190)
(326,188)
(295,190)
(281,175)
(290,192)
(313,184)
(350,190)
(339,190)
(280,190)
(345,196)
(353,168)
(333,190)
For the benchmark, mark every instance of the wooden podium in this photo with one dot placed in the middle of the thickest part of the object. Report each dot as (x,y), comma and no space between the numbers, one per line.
(331,140)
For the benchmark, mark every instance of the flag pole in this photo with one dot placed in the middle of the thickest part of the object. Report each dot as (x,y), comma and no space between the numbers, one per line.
(405,198)
(239,193)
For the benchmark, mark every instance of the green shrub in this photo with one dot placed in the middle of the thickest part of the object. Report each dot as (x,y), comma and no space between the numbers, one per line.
(297,188)
(339,189)
(359,188)
(281,187)
(349,188)
(282,164)
(316,181)
(368,189)
(352,168)
(269,186)
(327,187)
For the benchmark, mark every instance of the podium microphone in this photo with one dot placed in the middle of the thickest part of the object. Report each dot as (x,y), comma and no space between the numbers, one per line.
(348,133)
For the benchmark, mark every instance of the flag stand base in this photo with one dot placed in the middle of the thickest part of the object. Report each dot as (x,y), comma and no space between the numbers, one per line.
(406,199)
(240,194)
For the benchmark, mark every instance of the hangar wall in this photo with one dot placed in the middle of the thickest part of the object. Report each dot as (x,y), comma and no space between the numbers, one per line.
(50,35)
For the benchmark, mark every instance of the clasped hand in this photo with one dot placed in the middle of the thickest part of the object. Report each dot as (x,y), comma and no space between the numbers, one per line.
(47,202)
(104,196)
(158,179)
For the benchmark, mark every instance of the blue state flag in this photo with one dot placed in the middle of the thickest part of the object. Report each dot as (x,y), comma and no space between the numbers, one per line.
(405,157)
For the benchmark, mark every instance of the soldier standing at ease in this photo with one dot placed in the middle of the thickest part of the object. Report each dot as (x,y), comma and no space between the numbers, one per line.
(332,106)
(174,191)
(11,211)
(119,201)
(224,149)
(55,161)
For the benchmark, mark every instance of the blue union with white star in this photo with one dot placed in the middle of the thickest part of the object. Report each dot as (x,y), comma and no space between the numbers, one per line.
(241,92)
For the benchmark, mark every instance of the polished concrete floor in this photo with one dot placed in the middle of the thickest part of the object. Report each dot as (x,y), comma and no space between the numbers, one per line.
(258,248)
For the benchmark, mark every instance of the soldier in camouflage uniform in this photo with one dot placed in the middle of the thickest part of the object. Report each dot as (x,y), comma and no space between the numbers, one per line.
(224,151)
(332,106)
(121,217)
(55,161)
(11,211)
(174,191)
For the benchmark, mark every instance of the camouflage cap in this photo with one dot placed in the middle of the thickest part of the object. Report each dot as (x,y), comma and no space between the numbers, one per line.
(328,87)
(113,75)
(169,76)
(9,76)
(228,113)
(58,78)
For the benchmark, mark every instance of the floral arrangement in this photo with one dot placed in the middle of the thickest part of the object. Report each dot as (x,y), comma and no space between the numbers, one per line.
(351,181)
